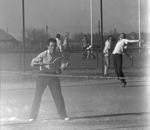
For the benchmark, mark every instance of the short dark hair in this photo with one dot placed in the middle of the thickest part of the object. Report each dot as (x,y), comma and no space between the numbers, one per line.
(124,35)
(109,36)
(58,36)
(51,40)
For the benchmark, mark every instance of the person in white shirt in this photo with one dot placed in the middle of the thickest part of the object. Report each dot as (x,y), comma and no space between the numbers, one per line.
(59,48)
(106,53)
(66,47)
(59,43)
(117,56)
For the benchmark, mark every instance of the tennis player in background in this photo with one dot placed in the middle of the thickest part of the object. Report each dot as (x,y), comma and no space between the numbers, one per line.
(118,58)
(106,53)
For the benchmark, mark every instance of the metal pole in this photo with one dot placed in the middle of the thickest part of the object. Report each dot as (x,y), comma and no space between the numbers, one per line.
(46,32)
(91,22)
(0,68)
(99,39)
(23,22)
(139,19)
(101,36)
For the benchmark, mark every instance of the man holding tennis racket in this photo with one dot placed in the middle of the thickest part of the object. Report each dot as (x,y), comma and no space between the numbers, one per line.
(49,63)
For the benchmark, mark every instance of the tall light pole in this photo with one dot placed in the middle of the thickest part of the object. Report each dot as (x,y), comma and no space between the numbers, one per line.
(139,19)
(91,18)
(101,34)
(46,32)
(23,36)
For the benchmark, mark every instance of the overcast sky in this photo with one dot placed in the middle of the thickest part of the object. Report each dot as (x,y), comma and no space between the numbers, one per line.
(73,15)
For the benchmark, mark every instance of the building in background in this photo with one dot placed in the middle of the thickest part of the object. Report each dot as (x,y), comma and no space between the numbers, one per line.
(7,41)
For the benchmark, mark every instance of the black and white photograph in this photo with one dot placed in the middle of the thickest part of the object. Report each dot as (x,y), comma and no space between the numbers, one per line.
(74,64)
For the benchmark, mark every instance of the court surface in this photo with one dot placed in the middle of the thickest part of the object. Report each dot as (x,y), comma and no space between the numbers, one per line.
(92,103)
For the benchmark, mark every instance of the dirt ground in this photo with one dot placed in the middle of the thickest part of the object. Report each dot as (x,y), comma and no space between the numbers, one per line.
(93,103)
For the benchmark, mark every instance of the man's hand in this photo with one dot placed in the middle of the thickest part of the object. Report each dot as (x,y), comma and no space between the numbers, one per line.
(37,64)
(89,47)
(141,40)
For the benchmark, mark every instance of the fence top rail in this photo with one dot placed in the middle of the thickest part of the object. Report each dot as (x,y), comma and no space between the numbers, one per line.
(71,50)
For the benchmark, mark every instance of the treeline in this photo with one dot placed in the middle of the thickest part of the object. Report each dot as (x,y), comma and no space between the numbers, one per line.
(36,39)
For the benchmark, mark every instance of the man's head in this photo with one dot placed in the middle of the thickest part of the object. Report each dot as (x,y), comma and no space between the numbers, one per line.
(58,36)
(122,36)
(51,45)
(110,37)
(85,37)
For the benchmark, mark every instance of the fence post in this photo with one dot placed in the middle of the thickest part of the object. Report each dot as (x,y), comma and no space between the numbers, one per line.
(97,57)
(132,60)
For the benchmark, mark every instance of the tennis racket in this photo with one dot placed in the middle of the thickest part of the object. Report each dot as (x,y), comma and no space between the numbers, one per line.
(55,62)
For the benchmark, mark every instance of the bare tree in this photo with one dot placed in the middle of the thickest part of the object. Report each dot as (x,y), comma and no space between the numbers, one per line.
(36,37)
